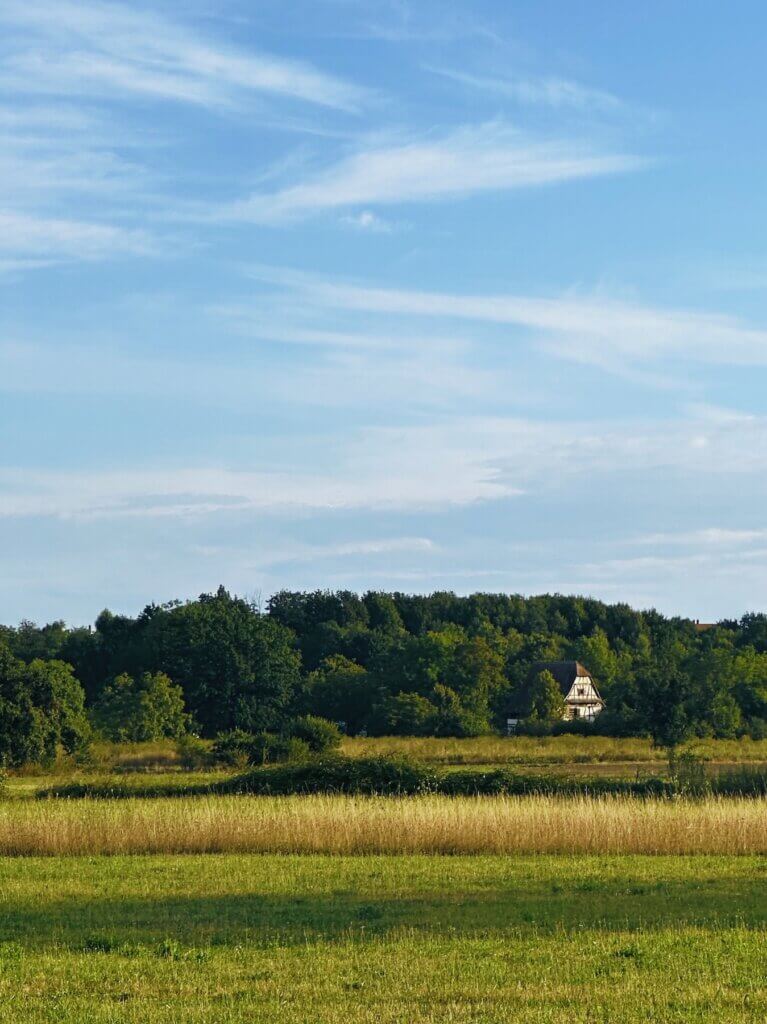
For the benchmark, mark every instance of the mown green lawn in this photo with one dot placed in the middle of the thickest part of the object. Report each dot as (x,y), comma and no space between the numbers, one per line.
(383,939)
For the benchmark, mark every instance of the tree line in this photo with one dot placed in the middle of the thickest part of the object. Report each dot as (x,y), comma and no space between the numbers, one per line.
(379,663)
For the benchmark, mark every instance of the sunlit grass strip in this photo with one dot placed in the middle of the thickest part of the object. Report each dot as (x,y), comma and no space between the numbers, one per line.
(357,825)
(547,750)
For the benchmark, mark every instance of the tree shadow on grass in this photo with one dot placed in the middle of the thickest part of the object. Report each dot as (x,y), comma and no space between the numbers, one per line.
(255,919)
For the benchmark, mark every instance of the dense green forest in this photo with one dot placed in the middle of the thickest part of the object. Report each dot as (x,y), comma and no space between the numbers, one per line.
(379,663)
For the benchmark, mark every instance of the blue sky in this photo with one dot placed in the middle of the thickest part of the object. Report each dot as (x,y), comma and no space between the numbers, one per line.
(382,294)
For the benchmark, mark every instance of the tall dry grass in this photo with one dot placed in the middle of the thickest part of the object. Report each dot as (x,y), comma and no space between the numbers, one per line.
(548,750)
(356,825)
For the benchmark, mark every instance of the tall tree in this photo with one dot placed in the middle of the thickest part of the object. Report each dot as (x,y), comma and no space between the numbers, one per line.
(42,708)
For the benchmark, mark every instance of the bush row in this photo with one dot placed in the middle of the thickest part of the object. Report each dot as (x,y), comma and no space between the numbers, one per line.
(401,776)
(373,776)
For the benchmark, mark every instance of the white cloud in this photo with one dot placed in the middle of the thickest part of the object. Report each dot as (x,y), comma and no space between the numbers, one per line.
(709,537)
(456,462)
(45,164)
(550,92)
(590,329)
(91,48)
(422,480)
(369,221)
(465,162)
(29,240)
(305,553)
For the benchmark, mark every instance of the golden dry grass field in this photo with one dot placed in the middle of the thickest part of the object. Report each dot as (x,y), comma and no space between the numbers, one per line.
(390,825)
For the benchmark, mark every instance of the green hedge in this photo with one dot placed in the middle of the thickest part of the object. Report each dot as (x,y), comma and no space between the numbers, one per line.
(745,780)
(372,776)
(369,776)
(503,782)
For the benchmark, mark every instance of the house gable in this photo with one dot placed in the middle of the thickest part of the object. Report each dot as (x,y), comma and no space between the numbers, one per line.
(582,690)
(582,699)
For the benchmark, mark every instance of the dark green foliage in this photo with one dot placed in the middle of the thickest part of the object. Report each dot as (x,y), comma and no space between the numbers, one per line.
(744,780)
(320,735)
(379,776)
(41,710)
(504,782)
(232,748)
(434,664)
(269,748)
(688,774)
(237,668)
(124,788)
(404,714)
(545,700)
(193,752)
(239,749)
(139,710)
(340,691)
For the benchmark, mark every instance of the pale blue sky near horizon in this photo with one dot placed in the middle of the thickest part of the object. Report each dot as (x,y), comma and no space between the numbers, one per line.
(382,294)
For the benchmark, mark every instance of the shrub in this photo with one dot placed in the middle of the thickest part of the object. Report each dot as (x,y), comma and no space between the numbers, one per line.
(193,752)
(688,774)
(372,776)
(757,728)
(233,748)
(241,749)
(269,748)
(745,780)
(320,735)
(377,776)
(506,783)
(111,788)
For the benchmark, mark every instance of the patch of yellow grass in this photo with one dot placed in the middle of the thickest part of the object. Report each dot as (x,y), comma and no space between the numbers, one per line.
(358,825)
(531,750)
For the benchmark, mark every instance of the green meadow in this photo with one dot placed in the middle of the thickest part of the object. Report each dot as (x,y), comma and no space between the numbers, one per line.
(227,938)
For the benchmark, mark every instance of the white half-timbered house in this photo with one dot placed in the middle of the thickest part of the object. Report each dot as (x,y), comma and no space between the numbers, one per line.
(578,688)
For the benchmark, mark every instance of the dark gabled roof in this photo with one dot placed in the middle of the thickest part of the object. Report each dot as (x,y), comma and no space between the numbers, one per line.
(565,673)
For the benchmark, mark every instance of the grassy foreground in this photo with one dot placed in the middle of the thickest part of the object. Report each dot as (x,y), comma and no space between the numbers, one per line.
(412,940)
(373,825)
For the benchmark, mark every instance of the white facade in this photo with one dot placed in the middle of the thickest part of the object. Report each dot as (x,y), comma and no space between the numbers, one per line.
(583,700)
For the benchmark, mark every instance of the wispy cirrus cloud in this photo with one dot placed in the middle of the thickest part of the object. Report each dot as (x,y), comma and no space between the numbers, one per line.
(594,329)
(81,48)
(466,161)
(711,537)
(367,549)
(450,462)
(48,155)
(557,93)
(205,490)
(65,193)
(27,240)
